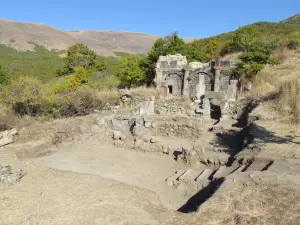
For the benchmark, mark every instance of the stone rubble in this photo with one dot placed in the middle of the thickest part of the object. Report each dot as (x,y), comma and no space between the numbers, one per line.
(8,177)
(6,137)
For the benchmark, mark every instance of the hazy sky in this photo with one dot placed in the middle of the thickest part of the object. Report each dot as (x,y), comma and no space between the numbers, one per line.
(191,18)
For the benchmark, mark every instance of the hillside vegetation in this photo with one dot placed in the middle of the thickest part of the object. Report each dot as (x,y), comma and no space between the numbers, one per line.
(42,82)
(40,62)
(293,20)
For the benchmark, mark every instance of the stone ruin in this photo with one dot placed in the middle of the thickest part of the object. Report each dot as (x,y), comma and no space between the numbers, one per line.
(175,76)
(201,82)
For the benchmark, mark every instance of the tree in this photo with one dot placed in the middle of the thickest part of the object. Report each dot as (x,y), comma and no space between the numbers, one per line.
(212,48)
(253,62)
(100,65)
(130,71)
(194,51)
(244,39)
(79,78)
(80,55)
(171,44)
(65,70)
(3,77)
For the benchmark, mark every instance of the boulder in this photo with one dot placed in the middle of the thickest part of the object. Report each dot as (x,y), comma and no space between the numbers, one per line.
(153,140)
(7,177)
(6,137)
(116,135)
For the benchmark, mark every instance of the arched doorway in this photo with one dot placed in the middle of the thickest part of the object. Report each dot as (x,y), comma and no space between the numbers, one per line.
(174,83)
(199,82)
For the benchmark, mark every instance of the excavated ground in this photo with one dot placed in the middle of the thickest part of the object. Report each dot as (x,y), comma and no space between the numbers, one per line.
(88,179)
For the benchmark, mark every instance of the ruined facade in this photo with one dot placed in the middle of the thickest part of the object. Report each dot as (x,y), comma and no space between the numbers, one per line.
(174,76)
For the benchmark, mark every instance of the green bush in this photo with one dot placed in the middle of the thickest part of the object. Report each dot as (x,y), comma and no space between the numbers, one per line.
(130,71)
(80,77)
(28,96)
(24,94)
(253,62)
(3,77)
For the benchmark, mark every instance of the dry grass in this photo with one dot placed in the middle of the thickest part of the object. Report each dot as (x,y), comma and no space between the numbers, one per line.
(282,54)
(7,118)
(288,99)
(264,84)
(108,97)
(144,92)
(282,80)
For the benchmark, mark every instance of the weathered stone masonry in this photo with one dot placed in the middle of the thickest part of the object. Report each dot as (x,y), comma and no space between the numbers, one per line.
(174,76)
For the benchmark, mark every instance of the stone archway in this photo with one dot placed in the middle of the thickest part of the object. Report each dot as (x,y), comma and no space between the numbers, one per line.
(199,82)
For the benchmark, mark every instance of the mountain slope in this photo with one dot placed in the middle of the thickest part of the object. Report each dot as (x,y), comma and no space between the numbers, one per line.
(293,20)
(22,35)
(106,42)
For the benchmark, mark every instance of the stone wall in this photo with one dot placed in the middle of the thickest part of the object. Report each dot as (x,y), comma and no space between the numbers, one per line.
(225,78)
(193,82)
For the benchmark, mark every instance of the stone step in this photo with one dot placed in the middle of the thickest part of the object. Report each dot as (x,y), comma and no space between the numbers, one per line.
(223,171)
(189,176)
(204,175)
(259,164)
(241,168)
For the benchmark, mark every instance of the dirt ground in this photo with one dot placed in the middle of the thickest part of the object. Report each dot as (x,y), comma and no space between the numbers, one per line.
(48,196)
(136,168)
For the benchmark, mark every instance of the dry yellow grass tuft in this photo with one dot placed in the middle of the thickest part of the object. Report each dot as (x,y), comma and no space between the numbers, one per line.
(289,98)
(282,54)
(108,97)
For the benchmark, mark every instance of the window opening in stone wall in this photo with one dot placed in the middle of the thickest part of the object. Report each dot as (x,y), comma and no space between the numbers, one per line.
(170,87)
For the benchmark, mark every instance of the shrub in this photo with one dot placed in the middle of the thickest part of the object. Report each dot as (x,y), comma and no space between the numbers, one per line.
(65,70)
(3,77)
(24,94)
(59,85)
(253,62)
(130,72)
(79,78)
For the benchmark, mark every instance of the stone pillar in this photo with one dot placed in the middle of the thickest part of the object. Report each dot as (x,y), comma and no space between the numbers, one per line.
(204,109)
(225,110)
(232,90)
(217,80)
(185,91)
(200,87)
(158,78)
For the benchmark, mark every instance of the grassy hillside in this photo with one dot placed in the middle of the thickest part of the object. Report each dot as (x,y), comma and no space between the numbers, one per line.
(293,20)
(266,30)
(41,62)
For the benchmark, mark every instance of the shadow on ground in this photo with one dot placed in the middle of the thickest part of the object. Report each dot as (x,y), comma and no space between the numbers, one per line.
(198,199)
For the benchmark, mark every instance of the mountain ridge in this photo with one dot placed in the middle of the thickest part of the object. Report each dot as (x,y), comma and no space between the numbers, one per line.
(21,36)
(25,36)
